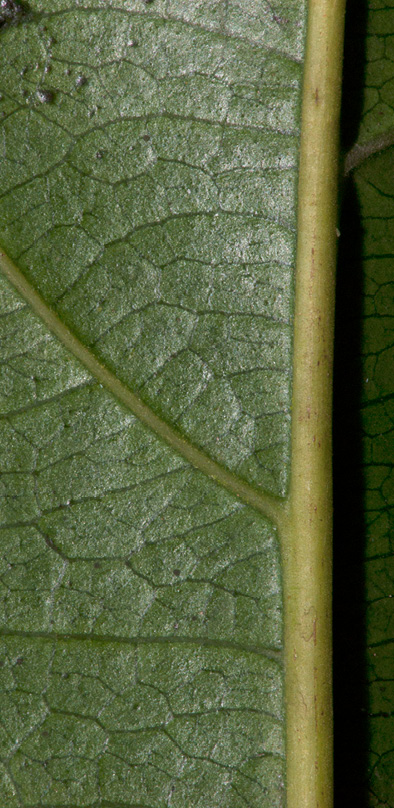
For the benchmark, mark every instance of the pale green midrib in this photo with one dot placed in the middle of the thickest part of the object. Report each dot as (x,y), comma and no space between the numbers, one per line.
(272,507)
(203,642)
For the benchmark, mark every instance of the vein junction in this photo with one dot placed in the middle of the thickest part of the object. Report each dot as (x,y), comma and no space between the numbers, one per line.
(268,505)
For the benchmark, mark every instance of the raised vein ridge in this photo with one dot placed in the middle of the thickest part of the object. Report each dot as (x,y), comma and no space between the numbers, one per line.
(204,642)
(270,506)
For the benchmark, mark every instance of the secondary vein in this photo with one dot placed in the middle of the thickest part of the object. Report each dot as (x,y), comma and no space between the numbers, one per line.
(273,654)
(267,504)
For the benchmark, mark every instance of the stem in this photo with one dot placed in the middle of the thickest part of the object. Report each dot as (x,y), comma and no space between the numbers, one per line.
(307,539)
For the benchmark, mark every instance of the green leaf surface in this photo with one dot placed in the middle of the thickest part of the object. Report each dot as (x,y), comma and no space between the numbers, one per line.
(378,112)
(373,177)
(377,201)
(148,193)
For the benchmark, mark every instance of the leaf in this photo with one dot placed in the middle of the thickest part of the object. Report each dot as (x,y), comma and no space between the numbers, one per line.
(378,203)
(371,163)
(148,196)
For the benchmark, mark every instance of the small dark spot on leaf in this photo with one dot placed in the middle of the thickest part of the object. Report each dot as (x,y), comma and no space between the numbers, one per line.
(280,20)
(146,138)
(194,618)
(80,81)
(45,96)
(176,572)
(97,565)
(45,733)
(19,661)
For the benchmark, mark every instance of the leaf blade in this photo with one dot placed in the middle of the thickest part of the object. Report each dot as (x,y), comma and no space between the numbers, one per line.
(213,580)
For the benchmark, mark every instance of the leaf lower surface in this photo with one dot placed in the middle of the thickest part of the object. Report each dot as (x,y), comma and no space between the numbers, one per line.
(148,192)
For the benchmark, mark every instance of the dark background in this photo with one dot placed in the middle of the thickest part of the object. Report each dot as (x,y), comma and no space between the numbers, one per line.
(350,678)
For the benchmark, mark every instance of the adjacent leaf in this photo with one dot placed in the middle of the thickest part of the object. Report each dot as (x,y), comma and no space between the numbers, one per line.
(148,194)
(373,161)
(378,207)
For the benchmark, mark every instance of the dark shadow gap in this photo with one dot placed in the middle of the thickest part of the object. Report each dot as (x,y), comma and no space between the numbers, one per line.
(354,64)
(350,677)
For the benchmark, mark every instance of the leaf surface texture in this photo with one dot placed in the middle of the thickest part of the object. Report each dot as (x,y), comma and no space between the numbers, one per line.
(148,193)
